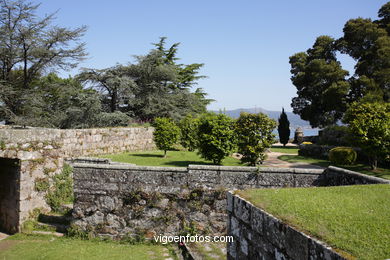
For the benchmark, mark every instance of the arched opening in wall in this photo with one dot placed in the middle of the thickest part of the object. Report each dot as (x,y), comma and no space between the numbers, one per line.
(9,195)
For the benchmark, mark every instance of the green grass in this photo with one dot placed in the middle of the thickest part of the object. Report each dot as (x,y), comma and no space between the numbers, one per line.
(286,149)
(173,159)
(22,246)
(354,219)
(362,168)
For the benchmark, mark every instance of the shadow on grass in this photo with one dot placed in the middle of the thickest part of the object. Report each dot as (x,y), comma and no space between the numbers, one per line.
(285,147)
(298,159)
(147,155)
(186,163)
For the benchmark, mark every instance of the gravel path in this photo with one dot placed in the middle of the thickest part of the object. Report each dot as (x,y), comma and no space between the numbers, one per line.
(273,161)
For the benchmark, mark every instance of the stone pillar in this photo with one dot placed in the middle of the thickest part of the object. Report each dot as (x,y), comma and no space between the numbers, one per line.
(298,136)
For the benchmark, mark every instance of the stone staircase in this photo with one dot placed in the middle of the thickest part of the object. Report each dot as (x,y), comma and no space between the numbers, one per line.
(53,224)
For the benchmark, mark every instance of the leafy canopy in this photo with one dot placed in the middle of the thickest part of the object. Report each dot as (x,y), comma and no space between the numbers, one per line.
(216,137)
(166,133)
(254,136)
(369,125)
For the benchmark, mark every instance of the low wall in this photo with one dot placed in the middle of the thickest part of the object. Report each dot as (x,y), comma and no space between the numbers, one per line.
(117,200)
(334,176)
(259,235)
(42,153)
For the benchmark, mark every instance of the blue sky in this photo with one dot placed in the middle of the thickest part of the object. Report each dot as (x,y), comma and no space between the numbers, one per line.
(245,45)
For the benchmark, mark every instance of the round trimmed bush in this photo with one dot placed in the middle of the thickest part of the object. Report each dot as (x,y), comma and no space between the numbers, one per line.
(342,156)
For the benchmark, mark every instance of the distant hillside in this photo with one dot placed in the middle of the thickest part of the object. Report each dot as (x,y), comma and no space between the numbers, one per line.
(295,120)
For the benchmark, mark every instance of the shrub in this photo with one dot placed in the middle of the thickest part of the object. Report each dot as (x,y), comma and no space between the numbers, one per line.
(369,125)
(342,156)
(216,137)
(254,134)
(334,135)
(62,190)
(188,132)
(166,133)
(116,118)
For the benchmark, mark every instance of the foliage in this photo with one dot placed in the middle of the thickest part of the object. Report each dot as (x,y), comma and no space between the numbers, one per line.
(166,133)
(369,125)
(320,82)
(323,90)
(30,45)
(154,86)
(41,184)
(342,156)
(283,128)
(334,135)
(112,83)
(61,191)
(216,137)
(116,118)
(254,135)
(188,132)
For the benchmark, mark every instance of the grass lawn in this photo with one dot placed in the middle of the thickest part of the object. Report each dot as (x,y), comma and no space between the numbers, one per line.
(21,246)
(379,172)
(286,149)
(173,159)
(354,219)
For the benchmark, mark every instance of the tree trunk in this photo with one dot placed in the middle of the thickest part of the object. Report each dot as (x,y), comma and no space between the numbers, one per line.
(165,153)
(373,162)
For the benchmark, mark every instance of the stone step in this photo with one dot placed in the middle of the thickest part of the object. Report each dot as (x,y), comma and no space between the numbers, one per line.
(54,219)
(57,234)
(61,228)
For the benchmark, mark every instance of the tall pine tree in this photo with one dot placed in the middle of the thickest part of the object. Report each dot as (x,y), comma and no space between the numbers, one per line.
(283,128)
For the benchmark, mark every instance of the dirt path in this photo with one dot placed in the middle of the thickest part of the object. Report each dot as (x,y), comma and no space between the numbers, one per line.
(273,161)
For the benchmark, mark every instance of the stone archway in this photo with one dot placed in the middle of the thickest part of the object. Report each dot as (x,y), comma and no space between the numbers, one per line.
(9,195)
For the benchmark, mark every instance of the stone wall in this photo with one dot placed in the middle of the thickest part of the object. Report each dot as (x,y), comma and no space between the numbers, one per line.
(118,200)
(42,153)
(259,235)
(334,176)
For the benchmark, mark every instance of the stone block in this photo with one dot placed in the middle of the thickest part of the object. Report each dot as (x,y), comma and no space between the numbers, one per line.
(242,210)
(229,201)
(319,251)
(274,231)
(297,244)
(257,221)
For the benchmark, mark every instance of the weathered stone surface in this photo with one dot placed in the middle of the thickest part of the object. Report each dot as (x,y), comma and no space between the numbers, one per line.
(266,237)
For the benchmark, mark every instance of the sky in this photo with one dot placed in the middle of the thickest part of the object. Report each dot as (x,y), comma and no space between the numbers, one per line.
(245,45)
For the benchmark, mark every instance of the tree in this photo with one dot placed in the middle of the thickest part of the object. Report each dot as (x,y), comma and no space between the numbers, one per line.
(321,84)
(154,86)
(324,92)
(166,133)
(284,128)
(189,132)
(112,83)
(216,137)
(369,125)
(29,46)
(163,85)
(254,135)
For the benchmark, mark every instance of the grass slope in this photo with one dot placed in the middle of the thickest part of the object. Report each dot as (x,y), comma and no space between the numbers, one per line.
(173,159)
(355,219)
(379,172)
(28,247)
